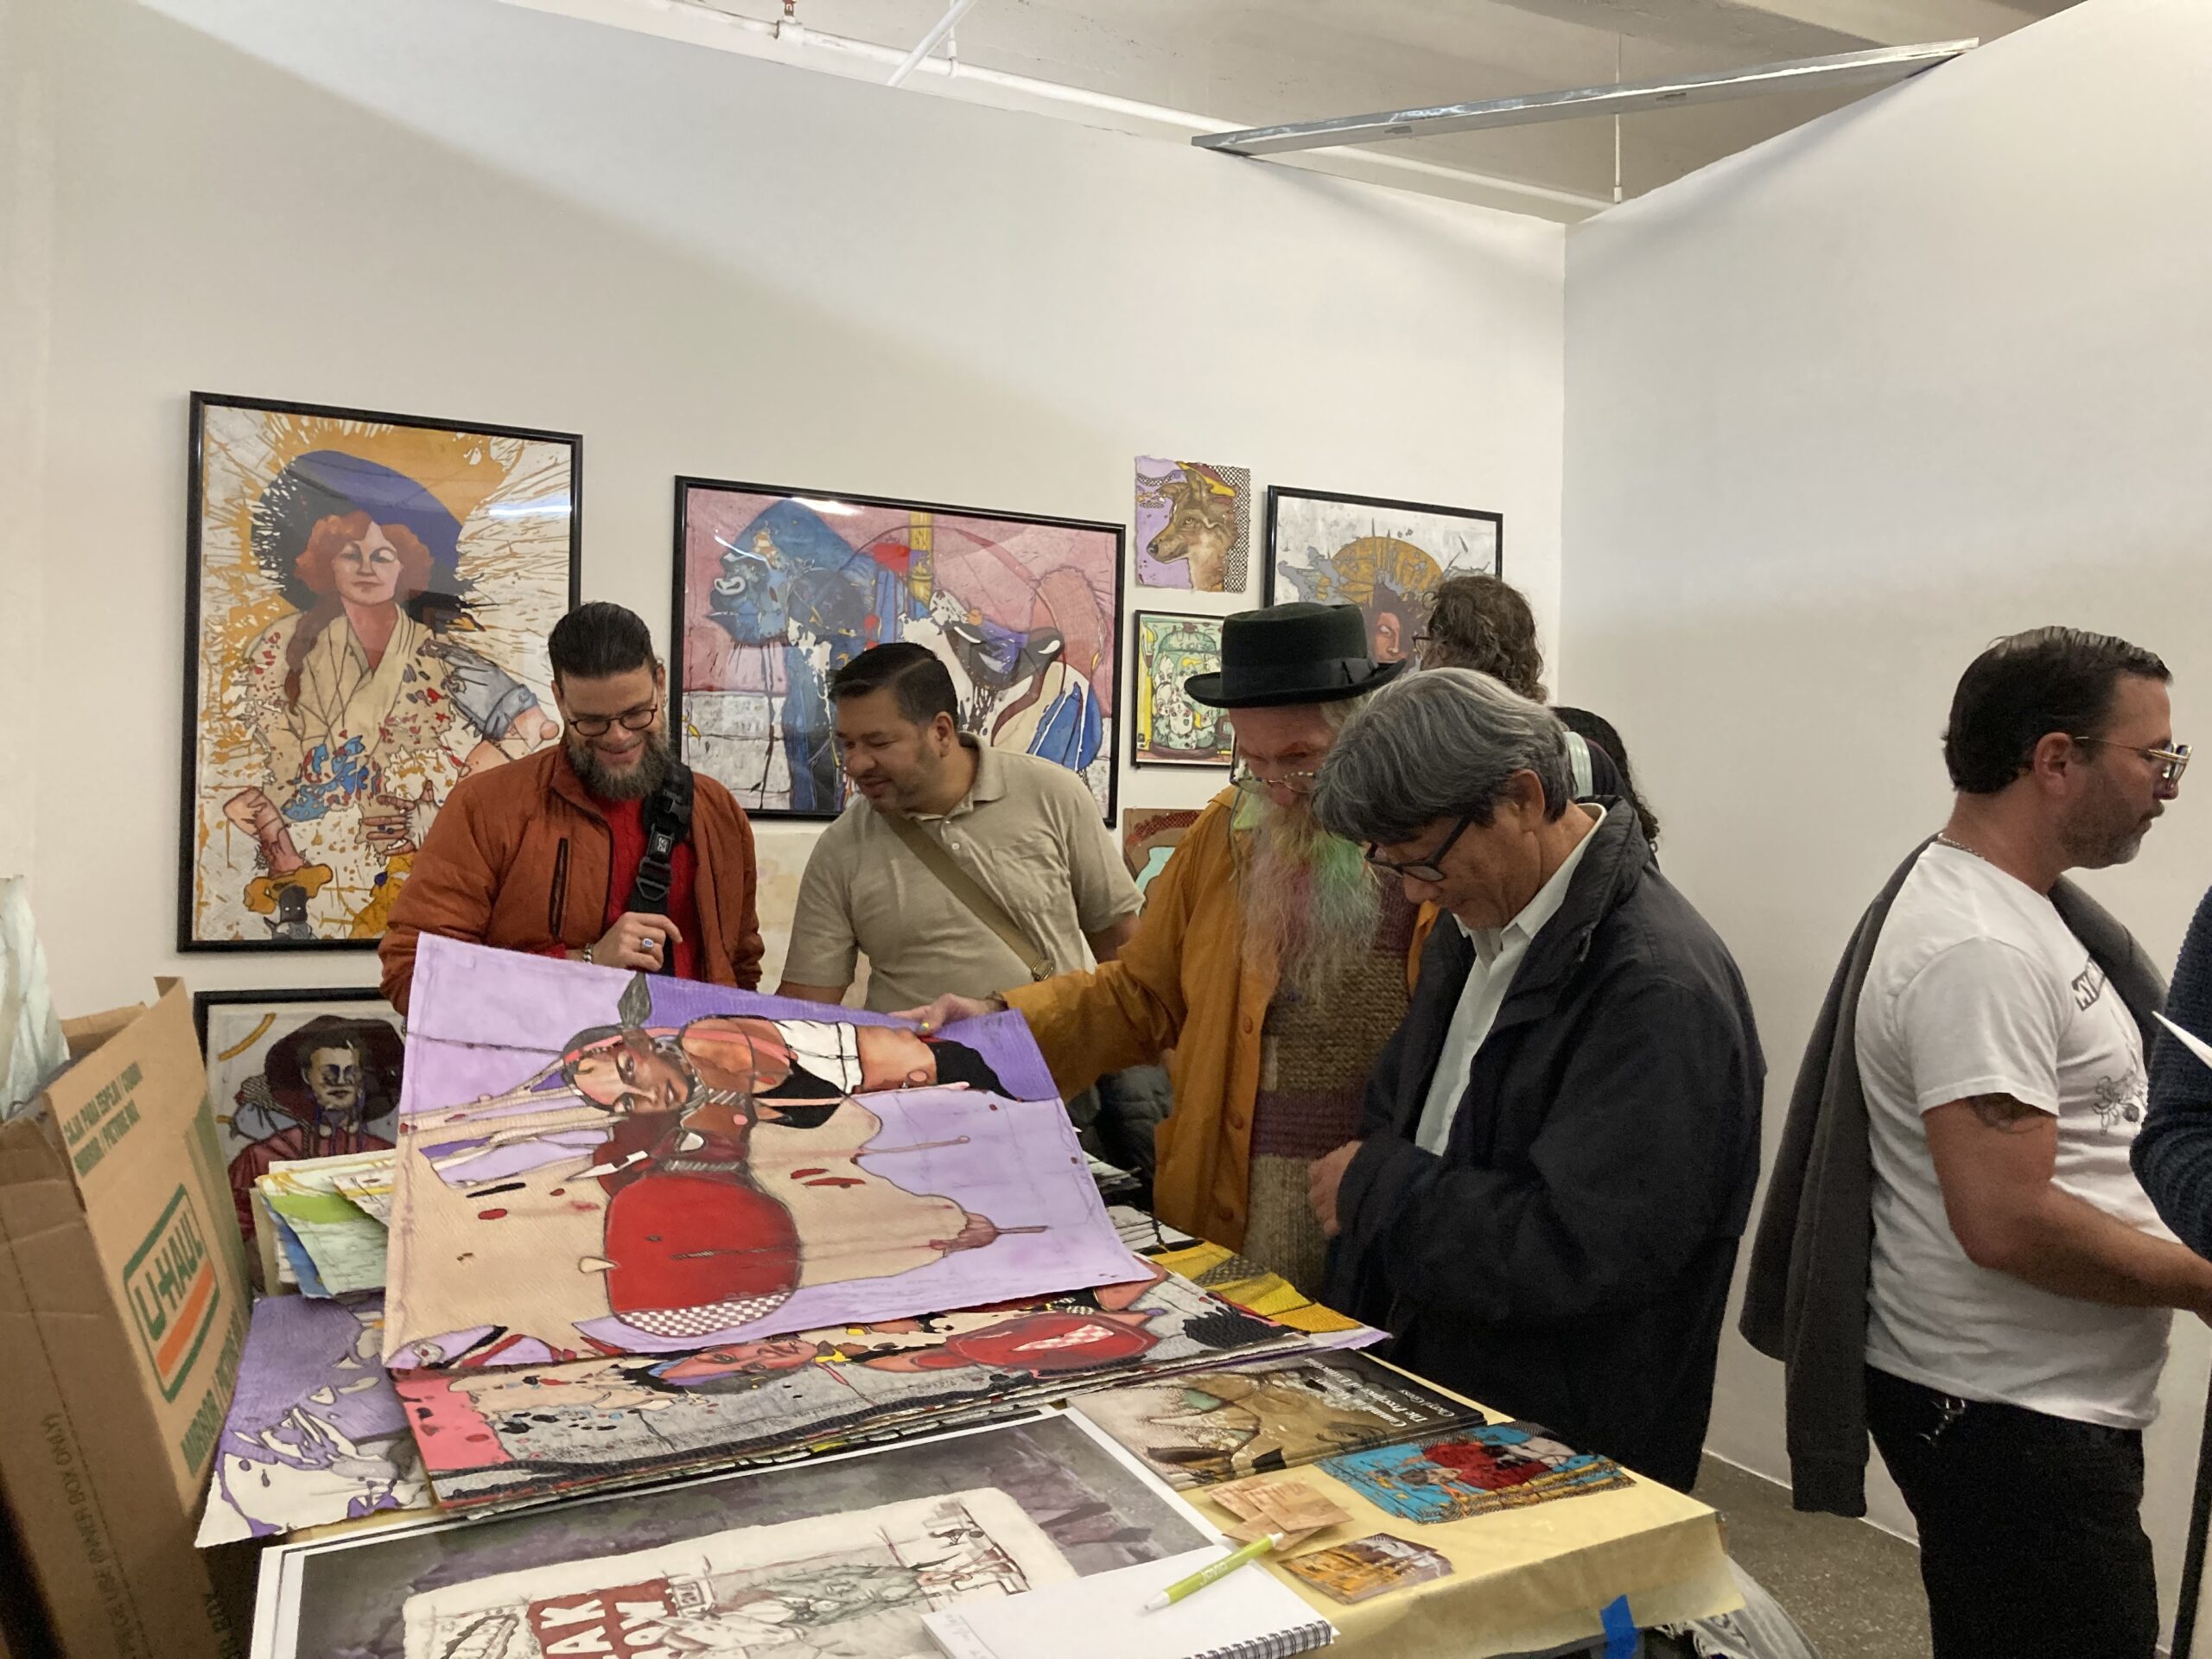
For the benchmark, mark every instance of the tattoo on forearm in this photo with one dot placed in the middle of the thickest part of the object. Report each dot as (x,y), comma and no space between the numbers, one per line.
(2005,1114)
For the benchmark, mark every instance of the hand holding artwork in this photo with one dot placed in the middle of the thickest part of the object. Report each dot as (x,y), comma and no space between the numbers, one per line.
(635,941)
(947,1009)
(1322,1182)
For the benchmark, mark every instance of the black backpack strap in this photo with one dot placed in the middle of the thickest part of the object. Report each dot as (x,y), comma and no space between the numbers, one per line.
(668,825)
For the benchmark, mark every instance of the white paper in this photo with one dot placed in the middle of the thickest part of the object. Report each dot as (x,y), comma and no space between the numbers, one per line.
(31,1048)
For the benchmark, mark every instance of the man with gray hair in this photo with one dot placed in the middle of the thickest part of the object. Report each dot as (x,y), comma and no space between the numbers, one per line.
(1558,1146)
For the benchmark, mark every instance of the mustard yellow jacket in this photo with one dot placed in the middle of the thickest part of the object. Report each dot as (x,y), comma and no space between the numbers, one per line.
(1182,983)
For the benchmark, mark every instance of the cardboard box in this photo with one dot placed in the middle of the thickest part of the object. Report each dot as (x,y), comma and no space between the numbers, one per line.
(122,1314)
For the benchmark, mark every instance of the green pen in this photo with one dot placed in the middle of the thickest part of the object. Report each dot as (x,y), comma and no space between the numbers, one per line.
(1220,1569)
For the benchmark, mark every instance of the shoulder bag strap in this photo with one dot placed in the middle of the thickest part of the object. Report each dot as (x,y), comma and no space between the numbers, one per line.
(964,888)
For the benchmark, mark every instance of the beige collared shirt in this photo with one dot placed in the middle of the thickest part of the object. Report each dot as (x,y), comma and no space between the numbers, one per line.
(1029,835)
(1499,954)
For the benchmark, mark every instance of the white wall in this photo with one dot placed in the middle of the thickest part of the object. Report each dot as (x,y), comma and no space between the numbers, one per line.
(1841,410)
(705,264)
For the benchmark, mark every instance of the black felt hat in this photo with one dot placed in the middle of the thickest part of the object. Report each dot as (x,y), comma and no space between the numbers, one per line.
(1299,652)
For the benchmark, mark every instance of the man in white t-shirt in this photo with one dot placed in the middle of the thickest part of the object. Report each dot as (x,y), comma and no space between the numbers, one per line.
(2020,1285)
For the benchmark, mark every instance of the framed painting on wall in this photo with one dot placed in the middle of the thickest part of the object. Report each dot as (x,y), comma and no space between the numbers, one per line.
(1388,557)
(777,589)
(366,601)
(1172,730)
(298,1074)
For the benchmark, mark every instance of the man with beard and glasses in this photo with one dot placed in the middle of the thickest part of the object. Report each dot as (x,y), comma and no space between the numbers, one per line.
(1268,960)
(542,854)
(1954,1252)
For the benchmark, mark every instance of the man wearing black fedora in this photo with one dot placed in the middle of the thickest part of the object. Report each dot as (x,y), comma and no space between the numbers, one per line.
(1269,962)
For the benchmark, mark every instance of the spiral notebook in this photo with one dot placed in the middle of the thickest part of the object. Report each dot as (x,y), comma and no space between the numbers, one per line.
(1247,1615)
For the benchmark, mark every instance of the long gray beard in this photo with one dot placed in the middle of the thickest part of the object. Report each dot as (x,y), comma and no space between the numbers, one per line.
(1309,899)
(632,784)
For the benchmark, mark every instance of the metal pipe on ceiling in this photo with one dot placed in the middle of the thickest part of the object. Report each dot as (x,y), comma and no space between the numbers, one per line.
(1802,74)
(927,44)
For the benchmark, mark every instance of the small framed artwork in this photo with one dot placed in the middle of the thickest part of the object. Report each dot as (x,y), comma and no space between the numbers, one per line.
(298,1074)
(777,589)
(1150,836)
(1172,729)
(1194,526)
(366,601)
(1388,557)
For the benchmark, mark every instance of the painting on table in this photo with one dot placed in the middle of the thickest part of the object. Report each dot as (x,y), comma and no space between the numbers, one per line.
(366,601)
(1173,728)
(592,1160)
(1202,1427)
(1098,1513)
(1478,1471)
(529,1432)
(314,1432)
(1388,557)
(776,589)
(1194,525)
(298,1074)
(854,1584)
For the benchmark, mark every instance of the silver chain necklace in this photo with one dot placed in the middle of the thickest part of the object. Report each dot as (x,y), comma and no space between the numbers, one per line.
(1944,839)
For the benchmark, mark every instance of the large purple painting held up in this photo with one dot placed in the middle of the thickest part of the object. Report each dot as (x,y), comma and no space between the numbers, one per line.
(592,1160)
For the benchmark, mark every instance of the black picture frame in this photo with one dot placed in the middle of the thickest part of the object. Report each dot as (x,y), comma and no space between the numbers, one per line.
(1277,493)
(1223,760)
(188,819)
(687,485)
(203,1001)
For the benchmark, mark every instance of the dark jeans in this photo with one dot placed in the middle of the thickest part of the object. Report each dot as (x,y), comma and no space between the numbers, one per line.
(2031,1539)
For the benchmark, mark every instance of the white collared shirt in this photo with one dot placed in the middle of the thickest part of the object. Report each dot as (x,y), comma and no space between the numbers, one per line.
(1499,952)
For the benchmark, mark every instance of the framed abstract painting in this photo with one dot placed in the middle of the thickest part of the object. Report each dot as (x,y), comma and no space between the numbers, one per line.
(777,589)
(1172,730)
(1388,557)
(366,601)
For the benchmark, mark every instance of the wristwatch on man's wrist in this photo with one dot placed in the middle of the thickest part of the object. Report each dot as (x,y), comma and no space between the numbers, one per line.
(587,955)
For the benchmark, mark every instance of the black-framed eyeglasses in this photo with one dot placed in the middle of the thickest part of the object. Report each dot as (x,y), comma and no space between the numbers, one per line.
(1298,783)
(1429,869)
(2171,763)
(630,720)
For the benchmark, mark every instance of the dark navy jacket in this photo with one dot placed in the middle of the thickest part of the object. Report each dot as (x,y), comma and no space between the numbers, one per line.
(1568,1259)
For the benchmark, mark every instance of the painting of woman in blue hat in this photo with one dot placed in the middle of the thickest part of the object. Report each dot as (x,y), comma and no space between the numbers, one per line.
(366,702)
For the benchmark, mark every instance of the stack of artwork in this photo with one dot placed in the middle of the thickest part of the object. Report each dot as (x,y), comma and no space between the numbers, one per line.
(841,1556)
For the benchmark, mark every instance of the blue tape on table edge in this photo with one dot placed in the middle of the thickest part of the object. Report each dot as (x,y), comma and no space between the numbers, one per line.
(1620,1628)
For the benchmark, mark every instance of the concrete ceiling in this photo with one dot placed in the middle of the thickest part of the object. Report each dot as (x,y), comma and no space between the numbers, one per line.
(1256,62)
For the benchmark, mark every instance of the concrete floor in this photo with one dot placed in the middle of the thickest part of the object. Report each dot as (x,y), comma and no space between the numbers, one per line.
(1852,1588)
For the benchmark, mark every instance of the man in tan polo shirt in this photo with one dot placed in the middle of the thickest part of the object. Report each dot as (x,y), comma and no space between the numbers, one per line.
(1023,829)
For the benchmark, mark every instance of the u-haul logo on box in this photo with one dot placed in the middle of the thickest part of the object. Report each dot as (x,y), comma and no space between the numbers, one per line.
(170,1286)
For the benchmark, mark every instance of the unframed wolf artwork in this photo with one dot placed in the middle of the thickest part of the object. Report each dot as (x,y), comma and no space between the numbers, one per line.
(1194,525)
(592,1160)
